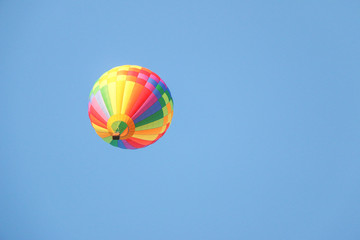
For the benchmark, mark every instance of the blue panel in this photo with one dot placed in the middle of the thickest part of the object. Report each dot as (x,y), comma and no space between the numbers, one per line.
(162,86)
(151,110)
(121,144)
(153,82)
(157,93)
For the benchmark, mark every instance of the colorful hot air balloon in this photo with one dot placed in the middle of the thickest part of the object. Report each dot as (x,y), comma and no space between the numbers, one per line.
(130,107)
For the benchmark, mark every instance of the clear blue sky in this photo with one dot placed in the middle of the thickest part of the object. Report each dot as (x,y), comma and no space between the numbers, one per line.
(264,142)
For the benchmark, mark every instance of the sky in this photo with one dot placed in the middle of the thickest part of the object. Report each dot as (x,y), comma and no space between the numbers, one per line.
(264,142)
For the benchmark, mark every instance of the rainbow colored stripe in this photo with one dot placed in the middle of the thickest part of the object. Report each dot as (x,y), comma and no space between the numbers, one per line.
(130,107)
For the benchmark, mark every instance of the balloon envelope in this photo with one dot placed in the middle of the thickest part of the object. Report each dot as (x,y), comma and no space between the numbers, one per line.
(130,107)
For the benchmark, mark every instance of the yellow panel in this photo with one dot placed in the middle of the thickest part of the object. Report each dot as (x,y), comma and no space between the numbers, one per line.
(127,94)
(111,78)
(115,69)
(103,83)
(121,77)
(163,129)
(135,66)
(124,68)
(103,78)
(120,86)
(112,74)
(146,137)
(98,128)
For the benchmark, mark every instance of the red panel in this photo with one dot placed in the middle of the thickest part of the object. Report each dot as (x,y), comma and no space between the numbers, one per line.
(136,143)
(145,93)
(96,115)
(145,106)
(135,94)
(145,71)
(133,73)
(155,75)
(97,122)
(141,81)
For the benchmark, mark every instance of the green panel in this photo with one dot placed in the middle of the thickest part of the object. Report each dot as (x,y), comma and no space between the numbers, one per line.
(161,90)
(165,111)
(119,126)
(108,139)
(156,124)
(96,89)
(122,127)
(171,104)
(168,95)
(162,102)
(106,97)
(115,125)
(114,143)
(164,99)
(156,116)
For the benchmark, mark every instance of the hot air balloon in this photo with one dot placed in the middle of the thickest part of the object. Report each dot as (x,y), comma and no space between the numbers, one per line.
(130,107)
